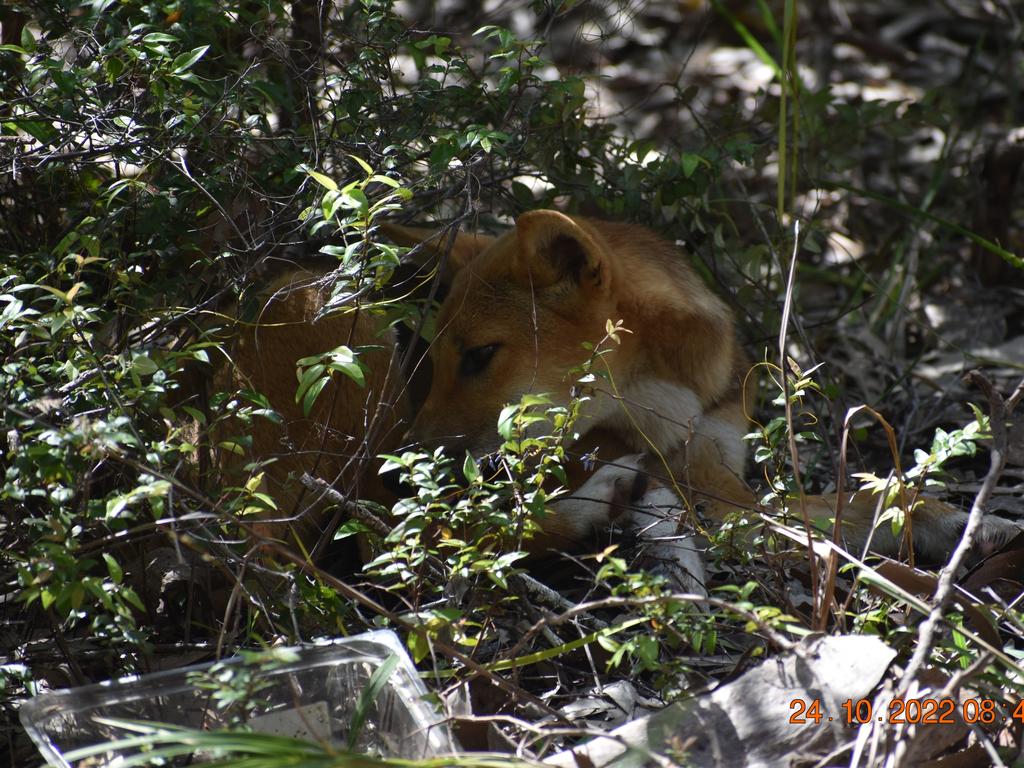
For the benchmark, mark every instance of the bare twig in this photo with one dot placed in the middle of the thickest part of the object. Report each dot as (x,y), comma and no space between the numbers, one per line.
(353,509)
(545,595)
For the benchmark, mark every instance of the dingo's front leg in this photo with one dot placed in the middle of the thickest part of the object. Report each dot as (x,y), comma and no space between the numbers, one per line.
(622,494)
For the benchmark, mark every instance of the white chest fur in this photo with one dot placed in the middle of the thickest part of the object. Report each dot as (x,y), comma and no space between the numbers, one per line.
(655,414)
(652,412)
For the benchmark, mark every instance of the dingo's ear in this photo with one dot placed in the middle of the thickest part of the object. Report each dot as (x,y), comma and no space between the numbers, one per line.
(461,248)
(554,248)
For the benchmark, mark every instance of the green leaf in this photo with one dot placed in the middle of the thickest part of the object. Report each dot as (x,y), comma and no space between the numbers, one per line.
(355,199)
(185,61)
(42,132)
(350,528)
(232,446)
(307,377)
(368,696)
(469,468)
(529,401)
(353,369)
(266,500)
(416,641)
(506,421)
(363,164)
(159,37)
(324,181)
(114,568)
(116,505)
(143,365)
(132,597)
(331,203)
(28,40)
(312,394)
(77,595)
(386,180)
(748,38)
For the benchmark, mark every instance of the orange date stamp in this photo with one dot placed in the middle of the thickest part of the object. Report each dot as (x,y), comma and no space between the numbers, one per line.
(911,711)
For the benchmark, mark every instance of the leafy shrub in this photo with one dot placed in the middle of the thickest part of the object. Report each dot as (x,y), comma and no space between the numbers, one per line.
(165,157)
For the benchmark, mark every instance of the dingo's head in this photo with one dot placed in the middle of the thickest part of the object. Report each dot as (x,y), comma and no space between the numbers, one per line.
(520,308)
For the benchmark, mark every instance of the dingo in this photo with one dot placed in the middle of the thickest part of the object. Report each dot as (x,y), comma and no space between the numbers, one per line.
(521,307)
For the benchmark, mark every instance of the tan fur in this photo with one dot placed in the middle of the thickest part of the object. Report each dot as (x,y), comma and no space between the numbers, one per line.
(675,390)
(347,426)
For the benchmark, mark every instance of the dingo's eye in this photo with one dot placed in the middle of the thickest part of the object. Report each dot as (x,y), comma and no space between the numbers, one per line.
(476,359)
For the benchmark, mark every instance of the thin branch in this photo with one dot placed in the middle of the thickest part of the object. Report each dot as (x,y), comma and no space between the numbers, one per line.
(817,610)
(351,508)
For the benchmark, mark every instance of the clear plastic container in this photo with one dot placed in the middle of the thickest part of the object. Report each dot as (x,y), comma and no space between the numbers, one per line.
(314,697)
